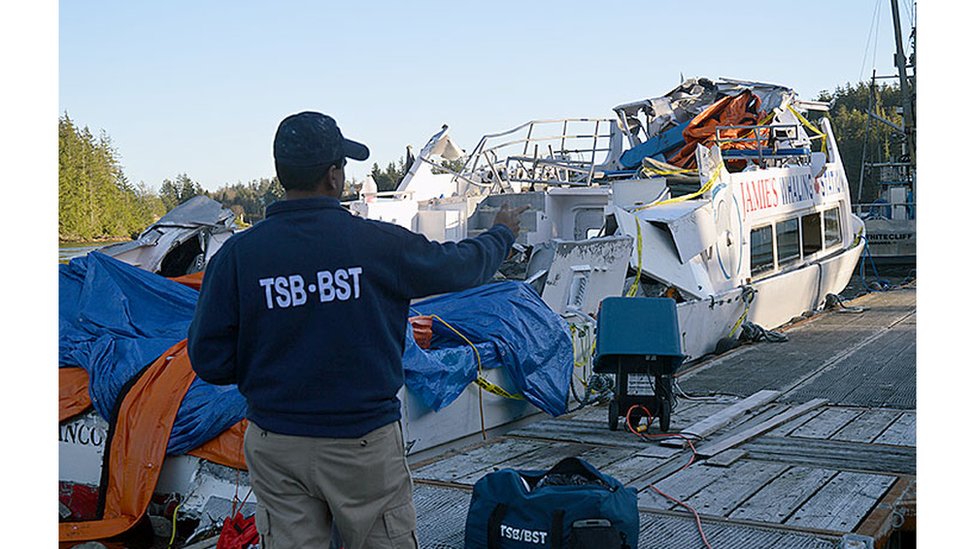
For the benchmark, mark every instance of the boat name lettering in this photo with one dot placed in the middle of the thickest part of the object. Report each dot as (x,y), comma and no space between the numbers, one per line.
(293,291)
(520,534)
(890,236)
(82,434)
(786,190)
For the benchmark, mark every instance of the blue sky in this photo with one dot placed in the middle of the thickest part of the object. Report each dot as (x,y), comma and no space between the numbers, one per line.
(199,87)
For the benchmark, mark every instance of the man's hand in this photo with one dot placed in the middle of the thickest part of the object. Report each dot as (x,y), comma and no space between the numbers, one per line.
(509,217)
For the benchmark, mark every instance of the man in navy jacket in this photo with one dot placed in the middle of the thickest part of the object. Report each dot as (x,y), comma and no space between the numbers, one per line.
(307,313)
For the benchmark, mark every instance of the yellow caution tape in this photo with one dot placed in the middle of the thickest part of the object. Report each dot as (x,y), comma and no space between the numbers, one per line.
(658,171)
(632,291)
(705,188)
(811,127)
(495,389)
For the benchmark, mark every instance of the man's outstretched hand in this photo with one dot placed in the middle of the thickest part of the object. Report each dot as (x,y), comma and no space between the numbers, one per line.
(509,217)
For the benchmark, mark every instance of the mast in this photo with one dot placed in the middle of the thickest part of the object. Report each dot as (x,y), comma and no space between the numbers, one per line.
(908,118)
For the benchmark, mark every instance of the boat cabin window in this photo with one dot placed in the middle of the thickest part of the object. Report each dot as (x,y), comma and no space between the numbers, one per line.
(812,238)
(587,223)
(788,241)
(761,243)
(832,227)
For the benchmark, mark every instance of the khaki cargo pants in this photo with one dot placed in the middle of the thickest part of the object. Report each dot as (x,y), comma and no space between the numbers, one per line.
(303,484)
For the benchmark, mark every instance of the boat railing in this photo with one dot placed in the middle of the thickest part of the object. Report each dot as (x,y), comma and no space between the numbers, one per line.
(562,151)
(885,210)
(764,141)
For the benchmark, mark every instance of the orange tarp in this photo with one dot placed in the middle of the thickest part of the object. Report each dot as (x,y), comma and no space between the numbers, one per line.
(739,110)
(138,446)
(226,448)
(194,280)
(73,396)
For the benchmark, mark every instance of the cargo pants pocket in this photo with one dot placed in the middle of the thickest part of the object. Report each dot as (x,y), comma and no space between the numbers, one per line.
(401,523)
(262,522)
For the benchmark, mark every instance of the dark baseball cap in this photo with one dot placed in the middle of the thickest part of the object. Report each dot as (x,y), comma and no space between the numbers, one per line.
(312,139)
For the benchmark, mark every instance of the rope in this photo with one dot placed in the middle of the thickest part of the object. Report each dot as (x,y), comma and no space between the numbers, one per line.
(480,381)
(755,333)
(748,295)
(580,360)
(882,285)
(172,536)
(834,301)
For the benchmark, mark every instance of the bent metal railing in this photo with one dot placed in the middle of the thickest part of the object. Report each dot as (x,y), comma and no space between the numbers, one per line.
(552,152)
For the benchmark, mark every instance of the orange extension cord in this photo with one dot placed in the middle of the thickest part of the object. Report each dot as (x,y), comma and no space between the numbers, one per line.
(694,454)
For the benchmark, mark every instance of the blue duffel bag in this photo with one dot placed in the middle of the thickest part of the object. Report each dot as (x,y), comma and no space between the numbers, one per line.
(572,505)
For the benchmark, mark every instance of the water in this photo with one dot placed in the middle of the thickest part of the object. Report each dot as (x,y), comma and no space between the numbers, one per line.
(70,250)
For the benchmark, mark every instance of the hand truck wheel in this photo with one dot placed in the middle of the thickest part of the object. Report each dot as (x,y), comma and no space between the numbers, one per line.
(613,415)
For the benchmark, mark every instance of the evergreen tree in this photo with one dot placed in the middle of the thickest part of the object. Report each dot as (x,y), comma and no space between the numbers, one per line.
(95,198)
(849,119)
(174,193)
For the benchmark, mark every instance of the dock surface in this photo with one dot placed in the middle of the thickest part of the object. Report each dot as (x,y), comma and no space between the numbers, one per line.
(845,467)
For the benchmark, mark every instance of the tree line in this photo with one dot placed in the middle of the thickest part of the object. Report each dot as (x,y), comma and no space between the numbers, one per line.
(97,201)
(859,140)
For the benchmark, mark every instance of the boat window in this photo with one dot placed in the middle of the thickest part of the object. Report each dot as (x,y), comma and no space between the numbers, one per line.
(761,243)
(812,239)
(587,221)
(788,241)
(832,227)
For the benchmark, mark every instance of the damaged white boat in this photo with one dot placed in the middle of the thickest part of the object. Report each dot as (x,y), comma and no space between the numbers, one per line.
(182,241)
(760,231)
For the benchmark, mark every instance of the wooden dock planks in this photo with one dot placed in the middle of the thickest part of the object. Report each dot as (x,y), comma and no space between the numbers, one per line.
(724,495)
(454,467)
(868,426)
(734,439)
(725,416)
(826,423)
(900,433)
(843,502)
(777,500)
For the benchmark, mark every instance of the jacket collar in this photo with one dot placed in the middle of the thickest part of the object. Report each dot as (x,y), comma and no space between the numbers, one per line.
(317,203)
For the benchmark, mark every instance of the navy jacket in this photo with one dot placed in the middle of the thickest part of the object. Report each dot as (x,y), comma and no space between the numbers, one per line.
(307,313)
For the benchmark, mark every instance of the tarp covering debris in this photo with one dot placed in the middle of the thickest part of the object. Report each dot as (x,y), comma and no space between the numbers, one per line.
(511,327)
(114,320)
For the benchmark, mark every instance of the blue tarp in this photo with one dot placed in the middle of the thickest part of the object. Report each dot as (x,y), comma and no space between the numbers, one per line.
(116,319)
(656,145)
(511,327)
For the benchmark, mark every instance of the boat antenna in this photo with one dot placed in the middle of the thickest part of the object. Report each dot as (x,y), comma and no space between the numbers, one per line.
(867,130)
(908,118)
